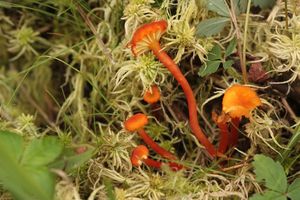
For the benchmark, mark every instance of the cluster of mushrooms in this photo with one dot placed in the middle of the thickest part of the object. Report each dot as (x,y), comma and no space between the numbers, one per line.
(238,101)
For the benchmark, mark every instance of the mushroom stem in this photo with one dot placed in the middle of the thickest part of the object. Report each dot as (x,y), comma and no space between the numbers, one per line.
(224,137)
(152,163)
(158,149)
(165,59)
(235,122)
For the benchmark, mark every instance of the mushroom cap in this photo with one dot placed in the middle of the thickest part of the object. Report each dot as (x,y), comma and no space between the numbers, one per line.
(139,154)
(240,100)
(136,122)
(153,95)
(146,34)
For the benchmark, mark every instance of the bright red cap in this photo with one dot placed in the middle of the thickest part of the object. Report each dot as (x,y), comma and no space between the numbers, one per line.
(139,154)
(146,34)
(136,122)
(240,100)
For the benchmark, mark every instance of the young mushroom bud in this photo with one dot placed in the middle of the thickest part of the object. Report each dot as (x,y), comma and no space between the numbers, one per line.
(152,95)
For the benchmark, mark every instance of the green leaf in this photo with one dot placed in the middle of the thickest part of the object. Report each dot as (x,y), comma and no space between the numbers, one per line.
(211,67)
(43,178)
(218,6)
(70,160)
(12,143)
(227,64)
(42,151)
(211,26)
(231,47)
(294,190)
(271,172)
(264,4)
(215,53)
(269,195)
(25,183)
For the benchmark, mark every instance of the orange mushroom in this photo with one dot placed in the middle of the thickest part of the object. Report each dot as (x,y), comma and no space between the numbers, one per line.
(152,95)
(238,101)
(140,154)
(147,38)
(137,123)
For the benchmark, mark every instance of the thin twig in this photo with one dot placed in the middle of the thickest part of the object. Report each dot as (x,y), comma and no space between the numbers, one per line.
(98,39)
(286,15)
(239,45)
(36,106)
(289,109)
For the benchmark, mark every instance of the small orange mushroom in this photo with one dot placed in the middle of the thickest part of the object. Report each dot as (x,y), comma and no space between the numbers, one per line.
(147,38)
(140,154)
(240,100)
(137,123)
(152,95)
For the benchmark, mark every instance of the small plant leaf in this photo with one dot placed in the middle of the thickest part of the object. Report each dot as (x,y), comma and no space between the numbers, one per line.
(218,6)
(271,172)
(269,195)
(211,26)
(42,151)
(227,64)
(70,160)
(264,4)
(215,53)
(294,190)
(231,47)
(211,67)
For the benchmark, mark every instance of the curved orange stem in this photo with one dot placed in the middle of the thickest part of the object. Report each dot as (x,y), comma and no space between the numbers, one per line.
(158,149)
(165,59)
(152,163)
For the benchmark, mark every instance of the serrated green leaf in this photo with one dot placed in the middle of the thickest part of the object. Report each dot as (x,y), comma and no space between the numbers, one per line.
(227,64)
(271,172)
(42,151)
(215,53)
(24,183)
(231,47)
(269,195)
(43,178)
(211,67)
(294,190)
(211,26)
(12,143)
(218,6)
(263,4)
